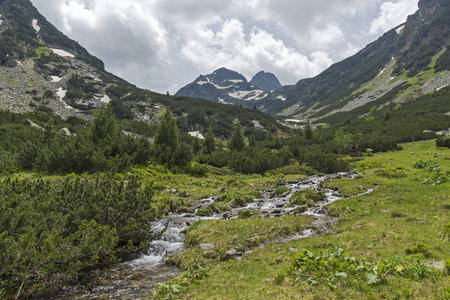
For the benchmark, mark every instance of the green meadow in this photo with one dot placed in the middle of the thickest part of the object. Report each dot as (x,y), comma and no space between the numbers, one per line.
(400,231)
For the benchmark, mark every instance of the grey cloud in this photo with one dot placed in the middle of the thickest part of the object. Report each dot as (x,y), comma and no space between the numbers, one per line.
(165,44)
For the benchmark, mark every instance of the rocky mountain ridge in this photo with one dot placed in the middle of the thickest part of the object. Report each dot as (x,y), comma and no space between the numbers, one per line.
(230,87)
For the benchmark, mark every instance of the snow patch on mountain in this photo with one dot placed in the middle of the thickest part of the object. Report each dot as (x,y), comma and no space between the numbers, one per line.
(56,78)
(400,29)
(381,72)
(196,134)
(62,53)
(61,93)
(105,99)
(248,95)
(35,25)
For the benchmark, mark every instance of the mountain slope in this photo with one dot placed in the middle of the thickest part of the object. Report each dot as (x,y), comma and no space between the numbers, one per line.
(398,58)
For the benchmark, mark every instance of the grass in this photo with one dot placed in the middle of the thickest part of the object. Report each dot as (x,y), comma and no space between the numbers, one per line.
(241,235)
(42,51)
(401,213)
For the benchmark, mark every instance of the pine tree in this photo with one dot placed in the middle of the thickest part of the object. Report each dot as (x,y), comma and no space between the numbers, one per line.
(196,146)
(104,125)
(252,140)
(308,132)
(237,139)
(167,132)
(210,142)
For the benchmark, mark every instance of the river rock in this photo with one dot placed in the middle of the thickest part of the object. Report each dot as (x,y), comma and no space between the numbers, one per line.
(183,210)
(251,241)
(233,203)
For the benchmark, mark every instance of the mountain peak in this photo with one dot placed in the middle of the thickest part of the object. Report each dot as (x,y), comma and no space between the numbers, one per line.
(224,86)
(224,74)
(266,81)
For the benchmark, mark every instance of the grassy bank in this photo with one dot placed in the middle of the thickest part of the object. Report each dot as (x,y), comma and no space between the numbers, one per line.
(407,213)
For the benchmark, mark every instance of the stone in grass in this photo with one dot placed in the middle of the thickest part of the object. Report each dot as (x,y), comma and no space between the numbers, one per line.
(207,246)
(437,265)
(397,214)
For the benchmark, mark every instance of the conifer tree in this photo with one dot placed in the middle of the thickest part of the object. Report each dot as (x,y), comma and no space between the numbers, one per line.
(210,142)
(196,146)
(237,139)
(167,132)
(308,132)
(104,125)
(252,140)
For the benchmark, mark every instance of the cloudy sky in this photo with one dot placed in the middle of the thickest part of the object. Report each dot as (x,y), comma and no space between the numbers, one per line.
(163,45)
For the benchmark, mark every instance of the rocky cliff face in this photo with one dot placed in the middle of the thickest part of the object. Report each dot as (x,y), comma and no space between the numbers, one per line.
(266,81)
(428,8)
(223,86)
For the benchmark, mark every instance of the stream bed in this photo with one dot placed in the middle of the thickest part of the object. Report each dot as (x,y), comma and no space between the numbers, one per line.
(137,278)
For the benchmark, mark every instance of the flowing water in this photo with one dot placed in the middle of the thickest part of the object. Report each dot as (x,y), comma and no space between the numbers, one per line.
(137,278)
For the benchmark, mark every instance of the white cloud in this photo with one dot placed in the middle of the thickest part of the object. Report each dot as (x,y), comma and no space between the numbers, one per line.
(248,54)
(326,36)
(392,14)
(74,12)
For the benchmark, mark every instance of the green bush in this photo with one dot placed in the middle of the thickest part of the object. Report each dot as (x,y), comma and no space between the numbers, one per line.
(429,165)
(63,228)
(333,268)
(420,248)
(196,169)
(205,212)
(443,142)
(245,213)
